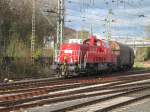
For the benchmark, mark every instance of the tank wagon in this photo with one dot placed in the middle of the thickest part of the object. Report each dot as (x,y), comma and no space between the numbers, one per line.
(92,56)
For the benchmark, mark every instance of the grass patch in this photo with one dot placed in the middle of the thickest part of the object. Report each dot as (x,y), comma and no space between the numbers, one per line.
(141,65)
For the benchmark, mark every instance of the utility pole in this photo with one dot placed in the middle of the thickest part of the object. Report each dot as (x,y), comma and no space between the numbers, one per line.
(1,47)
(91,29)
(33,32)
(108,23)
(60,23)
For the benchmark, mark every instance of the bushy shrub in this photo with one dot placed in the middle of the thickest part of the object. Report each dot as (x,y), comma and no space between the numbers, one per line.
(143,54)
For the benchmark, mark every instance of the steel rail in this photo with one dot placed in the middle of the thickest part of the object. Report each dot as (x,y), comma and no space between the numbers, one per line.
(15,103)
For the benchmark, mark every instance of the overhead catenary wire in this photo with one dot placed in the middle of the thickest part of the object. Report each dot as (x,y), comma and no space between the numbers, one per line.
(85,5)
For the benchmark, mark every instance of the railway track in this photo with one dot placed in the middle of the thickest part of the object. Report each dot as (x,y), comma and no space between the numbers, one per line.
(53,86)
(44,82)
(27,83)
(72,84)
(108,103)
(73,91)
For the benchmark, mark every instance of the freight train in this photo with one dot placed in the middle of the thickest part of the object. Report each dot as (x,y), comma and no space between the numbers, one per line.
(92,56)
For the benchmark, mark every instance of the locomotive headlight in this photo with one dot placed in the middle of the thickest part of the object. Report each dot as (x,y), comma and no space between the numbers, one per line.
(68,51)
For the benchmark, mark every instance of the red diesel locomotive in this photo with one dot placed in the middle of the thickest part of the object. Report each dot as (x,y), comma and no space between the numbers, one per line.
(93,55)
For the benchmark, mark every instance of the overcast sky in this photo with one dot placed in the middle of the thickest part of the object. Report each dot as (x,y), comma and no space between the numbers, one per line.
(130,16)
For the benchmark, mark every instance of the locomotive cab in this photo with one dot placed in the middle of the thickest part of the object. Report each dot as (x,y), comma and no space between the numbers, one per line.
(68,59)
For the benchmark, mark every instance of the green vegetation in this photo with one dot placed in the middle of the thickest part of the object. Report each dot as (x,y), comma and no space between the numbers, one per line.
(143,54)
(15,38)
(141,66)
(142,59)
(16,26)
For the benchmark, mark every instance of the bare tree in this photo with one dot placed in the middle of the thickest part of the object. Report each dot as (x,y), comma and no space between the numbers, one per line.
(16,18)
